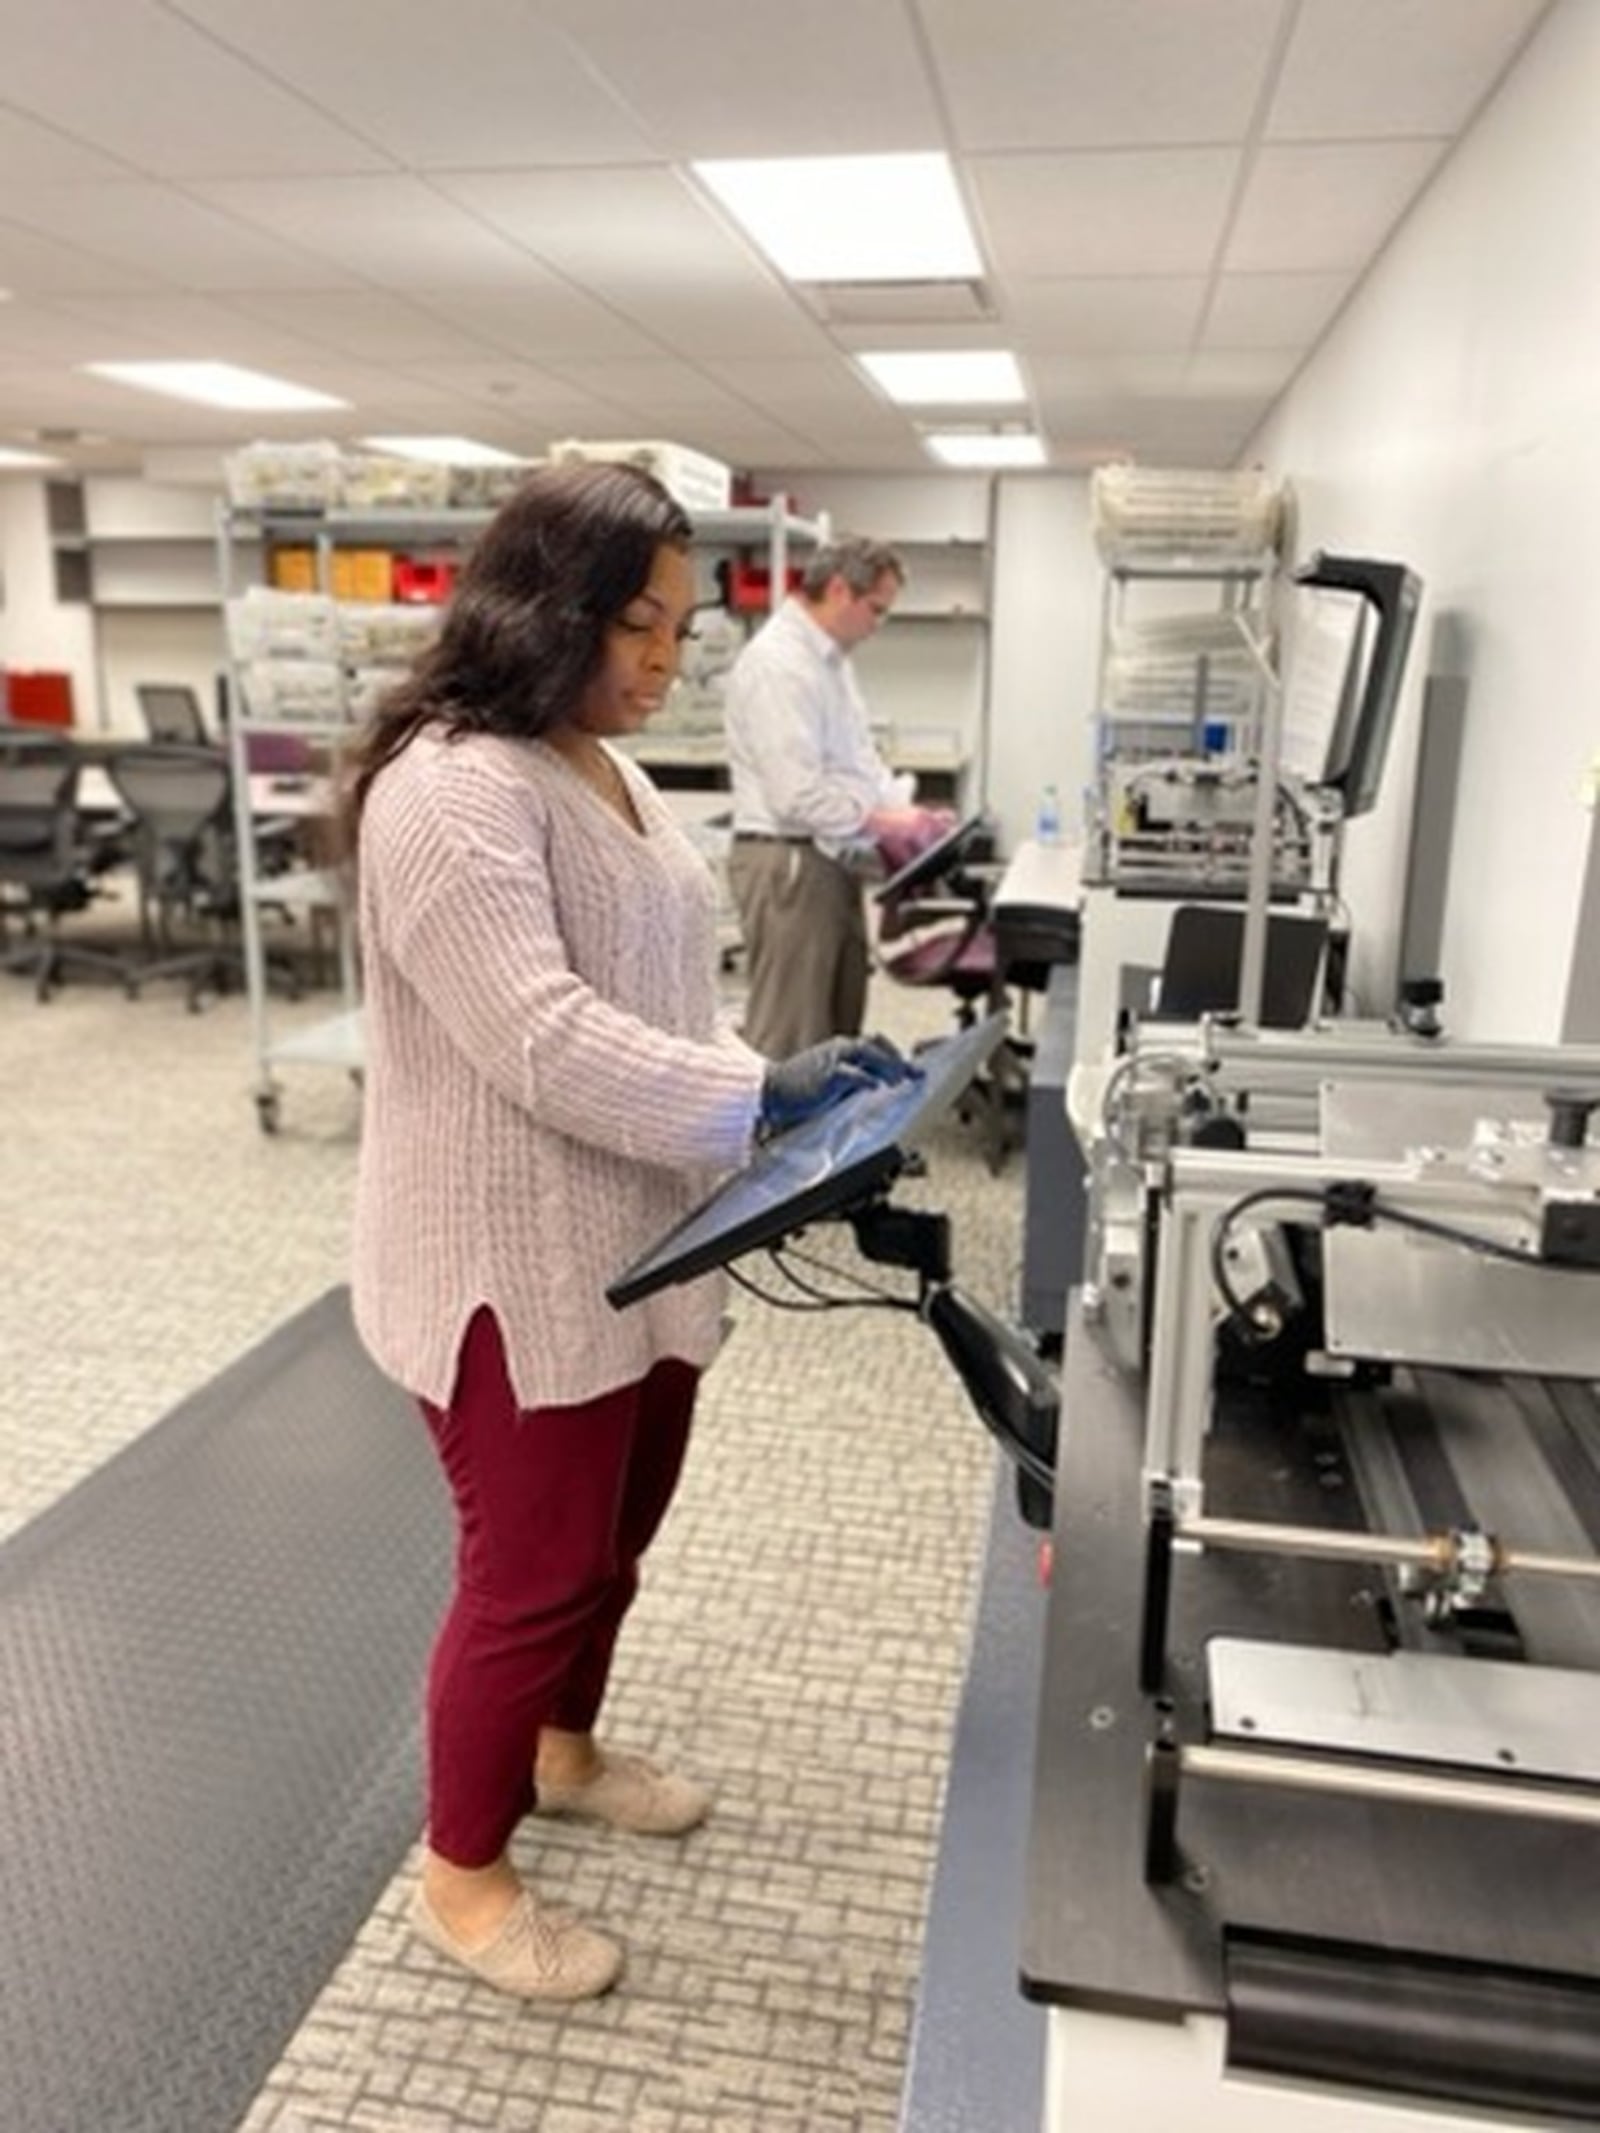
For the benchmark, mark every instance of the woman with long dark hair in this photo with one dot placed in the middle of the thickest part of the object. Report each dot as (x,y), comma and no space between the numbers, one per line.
(548,1089)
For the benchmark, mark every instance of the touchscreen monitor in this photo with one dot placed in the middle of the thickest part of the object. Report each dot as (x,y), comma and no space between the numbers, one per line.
(934,861)
(821,1167)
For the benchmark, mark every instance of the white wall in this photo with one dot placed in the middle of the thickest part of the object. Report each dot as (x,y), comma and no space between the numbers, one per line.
(1046,632)
(1452,421)
(1016,684)
(36,630)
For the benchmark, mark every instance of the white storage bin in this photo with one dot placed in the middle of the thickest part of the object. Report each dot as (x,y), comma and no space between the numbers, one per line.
(390,635)
(699,483)
(263,623)
(283,477)
(292,691)
(1157,513)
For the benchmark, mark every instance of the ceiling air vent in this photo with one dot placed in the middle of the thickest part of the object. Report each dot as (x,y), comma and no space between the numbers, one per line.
(899,303)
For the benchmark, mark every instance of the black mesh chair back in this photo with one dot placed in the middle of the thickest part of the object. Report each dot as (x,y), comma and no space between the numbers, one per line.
(38,781)
(171,712)
(182,808)
(179,796)
(48,862)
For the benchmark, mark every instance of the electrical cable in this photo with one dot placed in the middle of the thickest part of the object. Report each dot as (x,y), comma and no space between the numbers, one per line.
(782,1253)
(820,1300)
(1351,1205)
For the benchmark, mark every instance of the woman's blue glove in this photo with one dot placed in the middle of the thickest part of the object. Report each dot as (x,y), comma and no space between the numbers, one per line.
(824,1074)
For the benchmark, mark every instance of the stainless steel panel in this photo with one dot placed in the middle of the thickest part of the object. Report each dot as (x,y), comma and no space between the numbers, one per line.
(1478,1714)
(1393,1296)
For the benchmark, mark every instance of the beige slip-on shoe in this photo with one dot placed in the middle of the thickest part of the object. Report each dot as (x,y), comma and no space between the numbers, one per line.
(629,1793)
(538,1954)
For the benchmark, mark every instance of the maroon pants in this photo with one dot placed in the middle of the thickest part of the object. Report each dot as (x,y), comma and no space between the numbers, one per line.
(554,1508)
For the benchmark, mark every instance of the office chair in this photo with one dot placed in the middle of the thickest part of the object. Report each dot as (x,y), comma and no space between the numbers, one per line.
(171,713)
(937,907)
(181,801)
(50,859)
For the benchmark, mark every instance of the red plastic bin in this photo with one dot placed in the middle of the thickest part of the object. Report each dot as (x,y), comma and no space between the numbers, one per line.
(36,698)
(425,583)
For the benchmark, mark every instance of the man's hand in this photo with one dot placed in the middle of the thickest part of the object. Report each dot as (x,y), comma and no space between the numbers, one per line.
(824,1074)
(904,833)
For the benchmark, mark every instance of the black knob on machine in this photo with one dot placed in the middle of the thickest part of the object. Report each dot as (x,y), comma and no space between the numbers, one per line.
(1569,1115)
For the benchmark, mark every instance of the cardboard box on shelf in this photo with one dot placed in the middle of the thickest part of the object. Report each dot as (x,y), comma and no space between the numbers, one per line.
(293,570)
(362,574)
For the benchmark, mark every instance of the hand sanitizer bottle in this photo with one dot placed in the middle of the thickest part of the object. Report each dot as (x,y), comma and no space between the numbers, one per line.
(1047,826)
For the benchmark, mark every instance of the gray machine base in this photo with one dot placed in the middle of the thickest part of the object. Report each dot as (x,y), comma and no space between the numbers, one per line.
(210,1662)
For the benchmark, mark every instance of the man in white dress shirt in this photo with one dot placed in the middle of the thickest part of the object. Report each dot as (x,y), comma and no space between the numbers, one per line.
(811,798)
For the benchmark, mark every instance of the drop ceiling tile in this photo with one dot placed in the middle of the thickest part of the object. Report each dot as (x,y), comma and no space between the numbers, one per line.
(1370,69)
(147,87)
(783,384)
(1325,209)
(470,84)
(157,230)
(1273,310)
(1155,211)
(660,381)
(134,328)
(760,77)
(1084,313)
(543,319)
(1100,73)
(395,231)
(757,322)
(1238,373)
(31,154)
(618,231)
(32,334)
(365,323)
(1105,373)
(35,265)
(519,392)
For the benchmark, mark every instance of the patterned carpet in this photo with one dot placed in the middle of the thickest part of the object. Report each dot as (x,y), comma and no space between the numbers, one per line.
(800,1639)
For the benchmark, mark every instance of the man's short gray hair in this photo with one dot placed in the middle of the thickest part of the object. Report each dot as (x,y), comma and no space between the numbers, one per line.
(861,564)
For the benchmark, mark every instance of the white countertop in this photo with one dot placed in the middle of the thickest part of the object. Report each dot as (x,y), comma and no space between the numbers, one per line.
(1043,877)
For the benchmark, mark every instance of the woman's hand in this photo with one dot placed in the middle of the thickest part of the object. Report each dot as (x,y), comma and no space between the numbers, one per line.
(824,1074)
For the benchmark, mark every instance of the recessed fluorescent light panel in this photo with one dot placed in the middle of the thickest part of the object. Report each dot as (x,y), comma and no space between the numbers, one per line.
(850,218)
(446,451)
(217,385)
(954,377)
(980,448)
(11,458)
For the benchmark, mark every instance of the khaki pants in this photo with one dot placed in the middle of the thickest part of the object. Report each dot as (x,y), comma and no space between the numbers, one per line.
(805,940)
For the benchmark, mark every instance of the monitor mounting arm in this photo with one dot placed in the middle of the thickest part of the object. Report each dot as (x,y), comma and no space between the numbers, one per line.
(904,1236)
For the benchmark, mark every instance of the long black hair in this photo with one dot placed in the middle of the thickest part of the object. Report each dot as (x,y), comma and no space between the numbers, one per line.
(524,632)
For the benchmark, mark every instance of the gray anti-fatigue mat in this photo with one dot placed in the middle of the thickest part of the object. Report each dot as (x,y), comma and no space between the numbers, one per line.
(210,1663)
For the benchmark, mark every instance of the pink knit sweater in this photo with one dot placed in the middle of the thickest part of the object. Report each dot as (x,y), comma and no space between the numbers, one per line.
(548,1088)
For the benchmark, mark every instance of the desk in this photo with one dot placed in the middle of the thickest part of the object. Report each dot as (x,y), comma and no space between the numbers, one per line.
(1142,1981)
(1035,910)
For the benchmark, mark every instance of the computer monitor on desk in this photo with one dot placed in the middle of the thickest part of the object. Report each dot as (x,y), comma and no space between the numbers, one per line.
(821,1168)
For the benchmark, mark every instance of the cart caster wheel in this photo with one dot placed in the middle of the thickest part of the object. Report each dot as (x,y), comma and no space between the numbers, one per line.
(267,1111)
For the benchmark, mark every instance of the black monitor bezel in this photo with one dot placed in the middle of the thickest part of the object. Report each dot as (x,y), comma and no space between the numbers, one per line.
(1358,746)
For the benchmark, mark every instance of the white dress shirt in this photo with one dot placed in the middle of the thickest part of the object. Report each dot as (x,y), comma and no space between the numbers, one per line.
(801,755)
